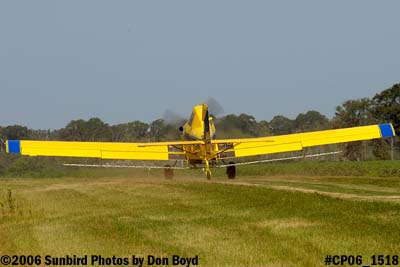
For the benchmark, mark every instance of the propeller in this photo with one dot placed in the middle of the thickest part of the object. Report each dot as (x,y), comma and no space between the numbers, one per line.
(214,107)
(172,118)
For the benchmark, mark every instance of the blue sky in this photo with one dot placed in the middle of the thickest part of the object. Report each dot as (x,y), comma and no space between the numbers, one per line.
(131,60)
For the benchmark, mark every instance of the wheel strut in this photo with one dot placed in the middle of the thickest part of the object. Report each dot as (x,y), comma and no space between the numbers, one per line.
(208,171)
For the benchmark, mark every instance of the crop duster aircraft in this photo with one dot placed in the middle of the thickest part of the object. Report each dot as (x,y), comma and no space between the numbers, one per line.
(198,145)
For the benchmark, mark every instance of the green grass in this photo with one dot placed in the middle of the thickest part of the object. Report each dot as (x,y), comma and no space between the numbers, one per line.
(252,221)
(323,168)
(42,167)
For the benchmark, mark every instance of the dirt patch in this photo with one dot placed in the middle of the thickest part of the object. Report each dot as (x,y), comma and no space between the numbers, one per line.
(285,223)
(395,198)
(76,184)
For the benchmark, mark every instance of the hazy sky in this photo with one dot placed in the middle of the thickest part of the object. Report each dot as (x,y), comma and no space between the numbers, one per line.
(131,60)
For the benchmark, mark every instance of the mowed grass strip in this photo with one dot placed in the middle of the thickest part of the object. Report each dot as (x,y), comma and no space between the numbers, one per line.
(224,224)
(387,188)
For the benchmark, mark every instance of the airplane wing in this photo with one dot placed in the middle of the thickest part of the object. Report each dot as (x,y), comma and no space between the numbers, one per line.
(104,150)
(225,148)
(231,148)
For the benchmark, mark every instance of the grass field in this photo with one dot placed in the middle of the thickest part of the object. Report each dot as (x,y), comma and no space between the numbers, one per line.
(276,220)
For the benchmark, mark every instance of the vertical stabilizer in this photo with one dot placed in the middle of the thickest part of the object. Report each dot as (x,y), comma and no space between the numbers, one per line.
(207,135)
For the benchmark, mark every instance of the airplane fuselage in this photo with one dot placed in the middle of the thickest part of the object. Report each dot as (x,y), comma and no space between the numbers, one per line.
(200,127)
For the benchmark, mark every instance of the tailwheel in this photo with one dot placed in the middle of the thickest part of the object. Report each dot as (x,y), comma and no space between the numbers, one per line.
(231,170)
(208,171)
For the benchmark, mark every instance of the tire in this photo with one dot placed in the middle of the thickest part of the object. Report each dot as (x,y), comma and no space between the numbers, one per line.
(231,170)
(168,172)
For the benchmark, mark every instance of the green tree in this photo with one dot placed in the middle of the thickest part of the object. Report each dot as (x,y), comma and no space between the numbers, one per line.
(157,130)
(233,126)
(97,130)
(264,129)
(310,121)
(386,106)
(40,134)
(227,123)
(16,132)
(247,124)
(353,113)
(281,125)
(2,144)
(73,131)
(350,114)
(92,130)
(132,131)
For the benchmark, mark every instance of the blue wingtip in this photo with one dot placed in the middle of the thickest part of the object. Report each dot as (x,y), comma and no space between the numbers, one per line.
(14,146)
(386,130)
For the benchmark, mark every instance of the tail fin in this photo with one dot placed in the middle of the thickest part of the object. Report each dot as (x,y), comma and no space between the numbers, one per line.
(207,134)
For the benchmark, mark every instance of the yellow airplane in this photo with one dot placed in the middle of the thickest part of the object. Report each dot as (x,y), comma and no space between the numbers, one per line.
(198,145)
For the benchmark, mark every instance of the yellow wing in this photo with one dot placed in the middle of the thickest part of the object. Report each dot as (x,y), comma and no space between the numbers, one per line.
(230,148)
(227,148)
(104,150)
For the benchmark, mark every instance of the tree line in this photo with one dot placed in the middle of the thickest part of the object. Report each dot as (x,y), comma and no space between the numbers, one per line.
(383,107)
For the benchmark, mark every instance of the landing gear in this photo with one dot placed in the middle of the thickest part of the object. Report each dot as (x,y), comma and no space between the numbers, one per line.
(208,171)
(231,170)
(168,172)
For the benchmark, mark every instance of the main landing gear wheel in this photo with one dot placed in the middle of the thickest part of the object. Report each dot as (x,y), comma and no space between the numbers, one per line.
(168,172)
(231,170)
(208,171)
(208,175)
